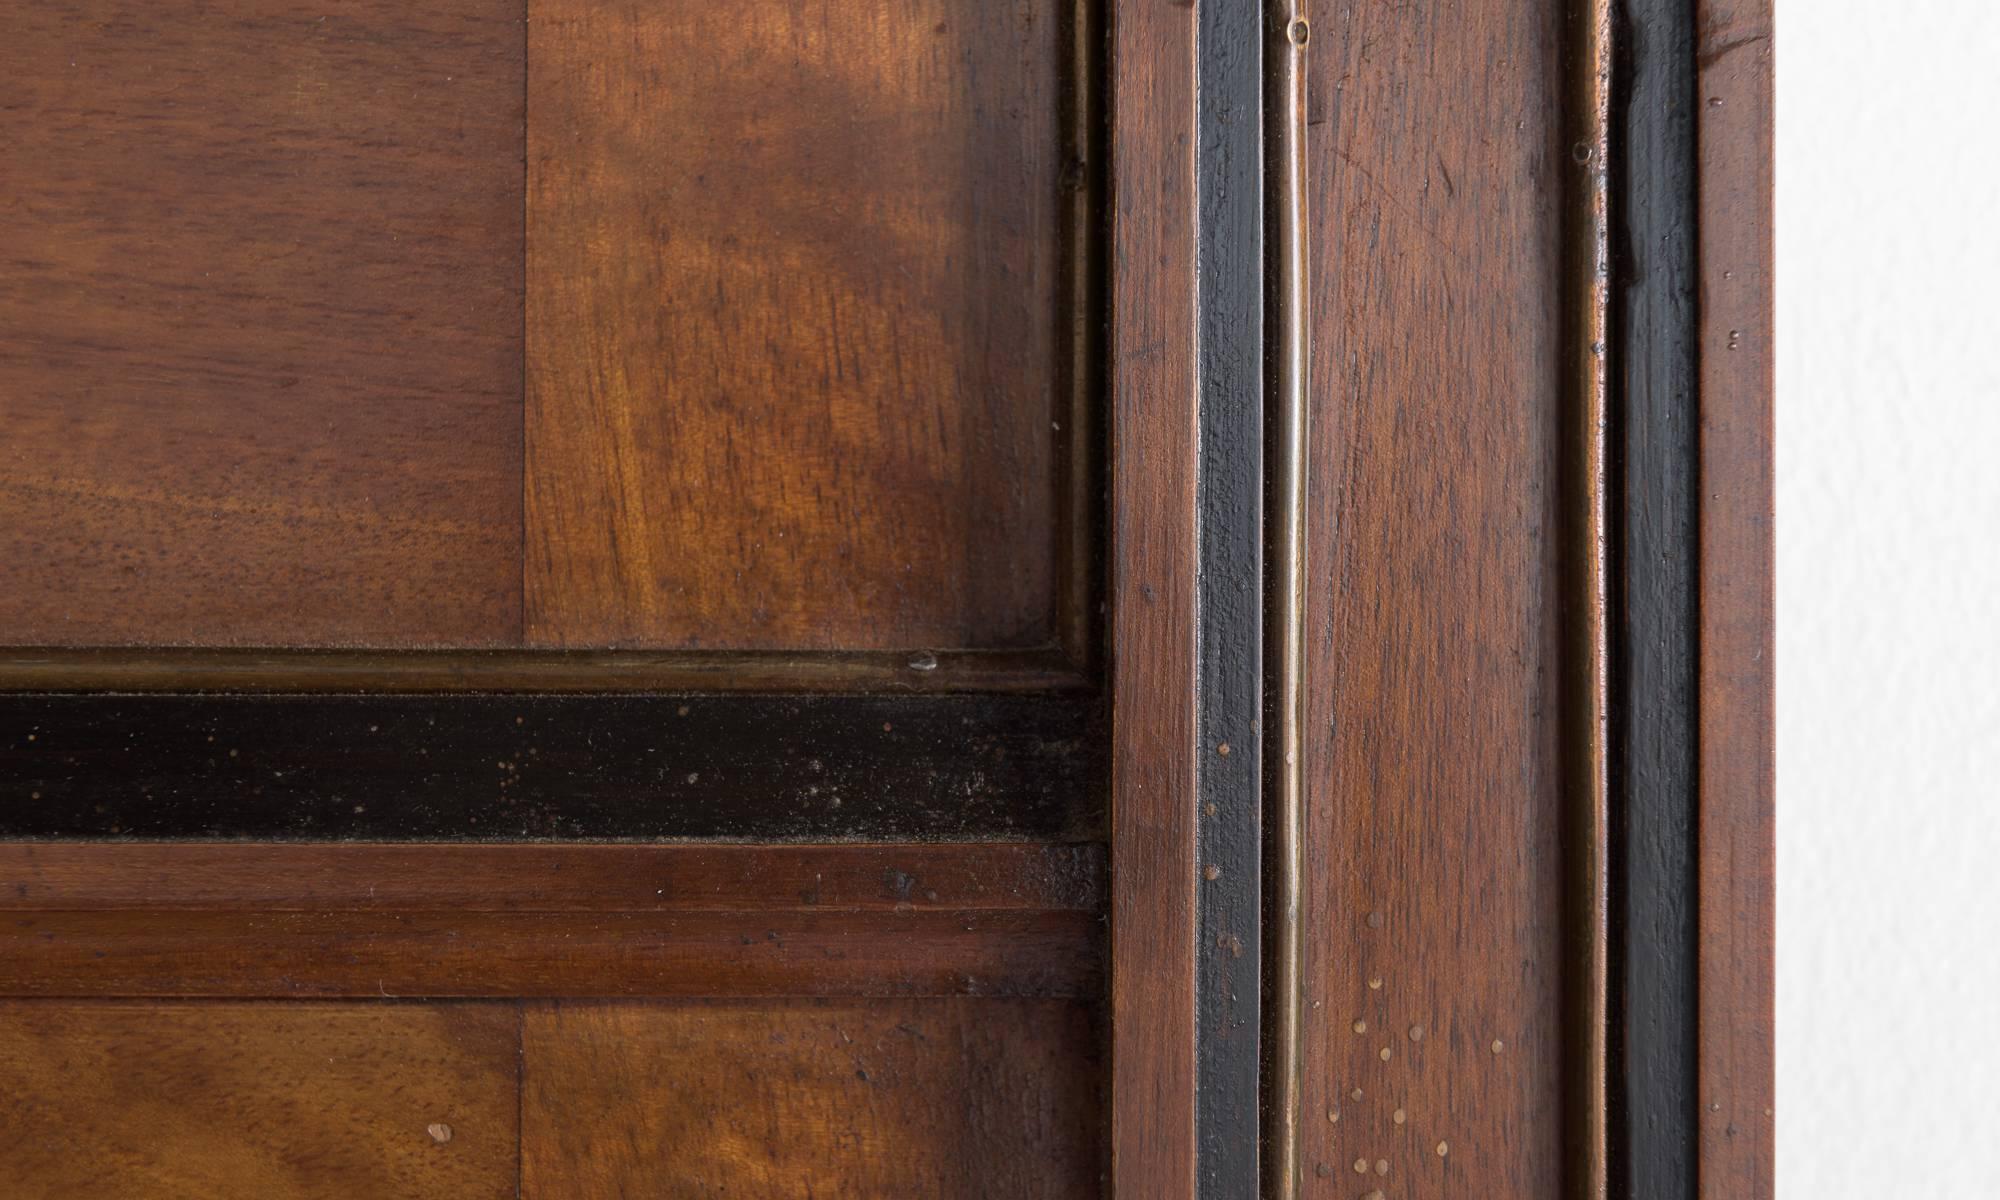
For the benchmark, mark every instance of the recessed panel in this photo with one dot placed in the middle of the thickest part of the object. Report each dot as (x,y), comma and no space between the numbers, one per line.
(946,1099)
(260,332)
(799,322)
(181,1101)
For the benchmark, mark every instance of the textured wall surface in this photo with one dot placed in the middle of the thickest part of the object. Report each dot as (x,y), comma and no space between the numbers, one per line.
(1888,600)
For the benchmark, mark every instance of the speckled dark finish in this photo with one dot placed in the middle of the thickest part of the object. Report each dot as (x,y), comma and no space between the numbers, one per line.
(791,768)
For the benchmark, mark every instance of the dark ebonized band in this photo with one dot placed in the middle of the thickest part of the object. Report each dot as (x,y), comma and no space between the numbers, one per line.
(1229,166)
(1654,497)
(725,766)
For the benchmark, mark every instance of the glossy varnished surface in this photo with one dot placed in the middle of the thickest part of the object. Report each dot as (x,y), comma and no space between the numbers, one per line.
(798,322)
(1433,959)
(260,340)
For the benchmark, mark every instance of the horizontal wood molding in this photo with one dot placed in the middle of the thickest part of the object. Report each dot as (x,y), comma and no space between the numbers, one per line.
(56,669)
(166,877)
(281,954)
(249,921)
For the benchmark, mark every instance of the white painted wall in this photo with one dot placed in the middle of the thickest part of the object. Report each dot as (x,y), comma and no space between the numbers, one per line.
(1888,181)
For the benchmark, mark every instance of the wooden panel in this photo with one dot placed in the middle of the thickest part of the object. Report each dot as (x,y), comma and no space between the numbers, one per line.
(1735,1075)
(797,323)
(1433,956)
(257,1102)
(935,1099)
(260,348)
(1155,619)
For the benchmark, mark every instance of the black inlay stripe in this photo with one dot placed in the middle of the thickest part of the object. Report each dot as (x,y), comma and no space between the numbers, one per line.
(719,766)
(1654,495)
(1230,261)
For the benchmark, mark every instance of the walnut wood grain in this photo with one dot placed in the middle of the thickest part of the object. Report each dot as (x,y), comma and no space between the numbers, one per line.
(1736,867)
(108,1101)
(1155,618)
(1433,959)
(798,322)
(546,920)
(948,1099)
(260,342)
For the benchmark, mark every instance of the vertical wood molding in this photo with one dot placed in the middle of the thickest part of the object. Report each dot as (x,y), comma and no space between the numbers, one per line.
(1437,799)
(1288,345)
(1693,768)
(1735,1086)
(1587,711)
(1155,441)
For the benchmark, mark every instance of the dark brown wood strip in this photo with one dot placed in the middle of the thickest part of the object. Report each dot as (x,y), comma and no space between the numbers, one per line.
(798,323)
(947,1099)
(260,340)
(43,669)
(158,877)
(1155,622)
(1735,1070)
(109,1101)
(483,954)
(1433,959)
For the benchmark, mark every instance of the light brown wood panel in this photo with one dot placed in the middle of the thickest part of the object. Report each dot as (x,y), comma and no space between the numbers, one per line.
(260,339)
(108,1101)
(1433,959)
(939,1099)
(797,323)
